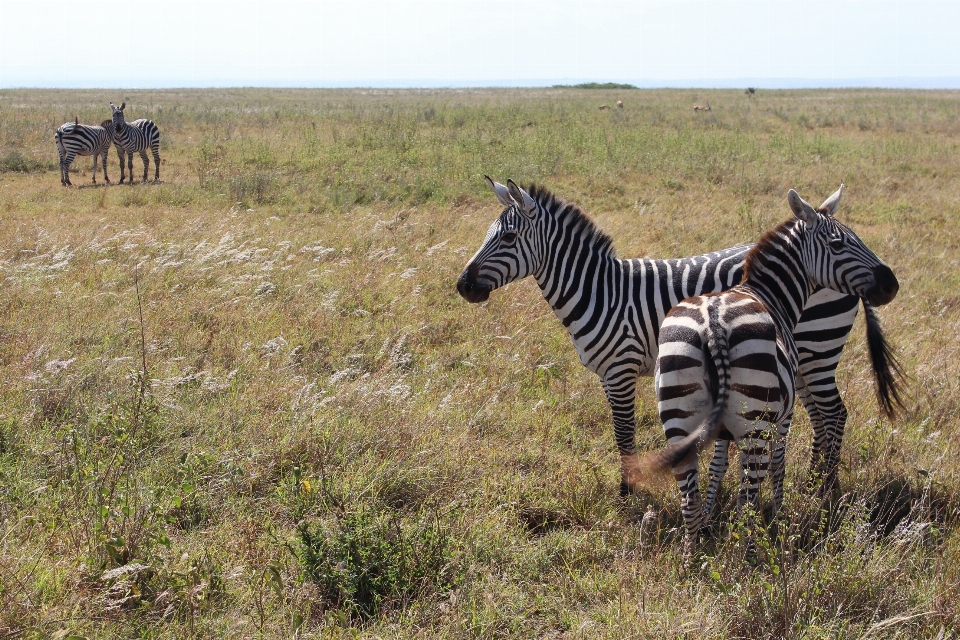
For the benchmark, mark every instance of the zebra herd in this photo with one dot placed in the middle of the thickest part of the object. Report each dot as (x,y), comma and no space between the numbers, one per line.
(731,337)
(75,139)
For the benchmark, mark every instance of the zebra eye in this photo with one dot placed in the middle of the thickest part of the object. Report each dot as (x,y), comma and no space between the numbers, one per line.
(509,237)
(836,243)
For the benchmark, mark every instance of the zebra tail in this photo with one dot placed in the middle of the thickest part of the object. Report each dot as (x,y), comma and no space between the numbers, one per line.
(887,370)
(672,455)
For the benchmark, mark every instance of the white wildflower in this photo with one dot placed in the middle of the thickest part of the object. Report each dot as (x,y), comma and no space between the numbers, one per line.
(272,347)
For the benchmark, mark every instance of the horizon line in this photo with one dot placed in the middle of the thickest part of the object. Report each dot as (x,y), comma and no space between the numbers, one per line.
(945,83)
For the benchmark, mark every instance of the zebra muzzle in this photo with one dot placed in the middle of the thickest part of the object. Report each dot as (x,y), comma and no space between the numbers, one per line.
(885,286)
(471,290)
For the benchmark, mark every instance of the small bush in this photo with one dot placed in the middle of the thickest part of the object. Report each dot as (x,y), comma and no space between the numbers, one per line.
(14,161)
(370,562)
(255,188)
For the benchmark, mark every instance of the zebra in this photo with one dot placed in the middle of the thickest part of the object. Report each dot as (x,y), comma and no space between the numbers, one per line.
(613,308)
(138,136)
(75,139)
(727,362)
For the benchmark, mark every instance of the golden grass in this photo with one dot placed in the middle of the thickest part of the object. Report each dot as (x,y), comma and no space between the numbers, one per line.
(309,364)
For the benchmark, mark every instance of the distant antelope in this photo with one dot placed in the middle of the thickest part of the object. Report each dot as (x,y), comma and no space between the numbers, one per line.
(75,139)
(619,104)
(604,107)
(698,107)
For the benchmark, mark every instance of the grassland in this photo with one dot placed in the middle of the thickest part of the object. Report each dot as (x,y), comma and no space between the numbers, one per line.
(247,402)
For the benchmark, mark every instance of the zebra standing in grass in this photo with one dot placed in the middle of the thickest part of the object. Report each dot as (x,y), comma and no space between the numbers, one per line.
(138,136)
(75,139)
(613,308)
(728,362)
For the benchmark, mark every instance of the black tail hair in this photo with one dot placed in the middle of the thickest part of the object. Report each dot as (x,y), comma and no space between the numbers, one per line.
(887,370)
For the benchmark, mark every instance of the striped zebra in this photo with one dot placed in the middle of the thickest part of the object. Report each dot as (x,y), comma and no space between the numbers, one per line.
(75,139)
(138,136)
(727,362)
(613,308)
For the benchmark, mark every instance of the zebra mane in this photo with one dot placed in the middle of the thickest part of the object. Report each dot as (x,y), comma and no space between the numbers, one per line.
(766,242)
(573,216)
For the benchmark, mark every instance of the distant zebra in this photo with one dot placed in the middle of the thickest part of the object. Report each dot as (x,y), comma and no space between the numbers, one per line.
(75,139)
(727,361)
(613,308)
(138,136)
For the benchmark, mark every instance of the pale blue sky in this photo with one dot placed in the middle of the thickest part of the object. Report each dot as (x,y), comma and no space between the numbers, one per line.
(323,43)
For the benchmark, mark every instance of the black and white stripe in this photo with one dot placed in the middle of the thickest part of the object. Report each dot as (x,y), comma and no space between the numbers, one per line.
(136,136)
(613,308)
(727,362)
(75,139)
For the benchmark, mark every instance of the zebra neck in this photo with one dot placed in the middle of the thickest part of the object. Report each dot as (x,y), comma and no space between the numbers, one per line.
(779,281)
(574,276)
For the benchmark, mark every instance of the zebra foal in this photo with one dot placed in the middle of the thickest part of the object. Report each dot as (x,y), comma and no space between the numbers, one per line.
(75,139)
(728,361)
(138,136)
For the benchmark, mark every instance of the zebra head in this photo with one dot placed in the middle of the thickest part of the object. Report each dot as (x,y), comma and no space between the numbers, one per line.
(510,249)
(836,258)
(118,121)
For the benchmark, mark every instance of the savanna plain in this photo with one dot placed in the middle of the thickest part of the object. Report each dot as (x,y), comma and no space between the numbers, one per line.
(248,402)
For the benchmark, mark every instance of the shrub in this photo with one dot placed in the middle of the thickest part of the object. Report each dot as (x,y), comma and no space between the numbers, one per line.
(14,161)
(370,562)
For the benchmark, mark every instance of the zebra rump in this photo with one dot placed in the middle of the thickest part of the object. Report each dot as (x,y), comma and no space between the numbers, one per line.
(718,352)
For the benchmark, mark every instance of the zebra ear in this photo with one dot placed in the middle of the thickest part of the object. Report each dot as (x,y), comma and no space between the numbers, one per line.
(800,208)
(503,194)
(521,197)
(122,105)
(830,205)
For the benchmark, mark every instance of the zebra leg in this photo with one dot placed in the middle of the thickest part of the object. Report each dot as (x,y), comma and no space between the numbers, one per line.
(63,179)
(156,164)
(96,157)
(718,469)
(65,169)
(120,155)
(821,335)
(130,165)
(105,176)
(691,506)
(146,163)
(778,466)
(620,388)
(828,415)
(754,463)
(817,454)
